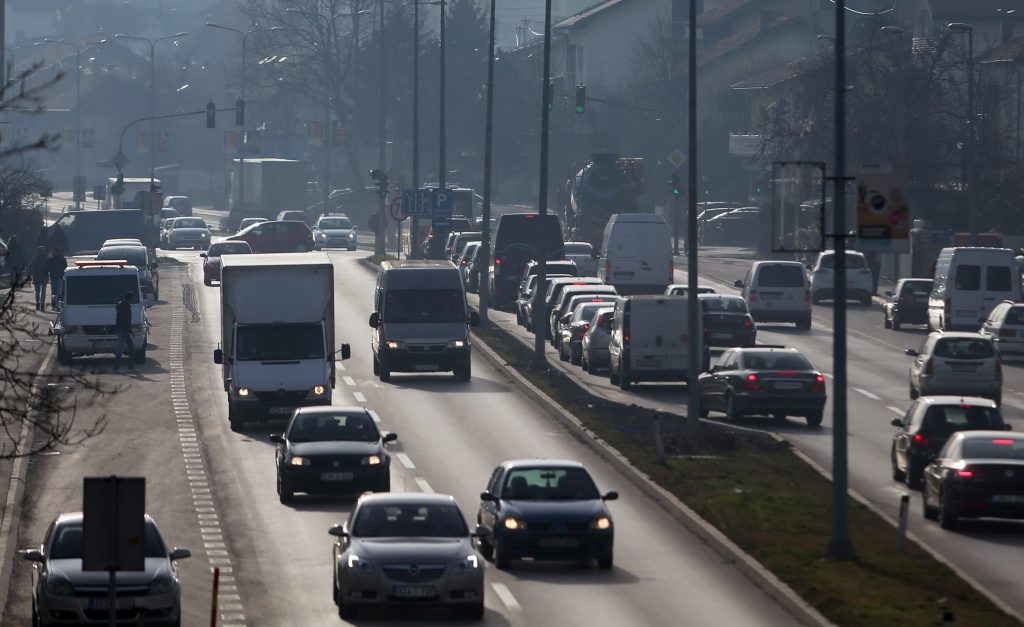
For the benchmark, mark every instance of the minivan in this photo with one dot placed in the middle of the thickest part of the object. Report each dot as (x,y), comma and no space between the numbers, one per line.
(777,291)
(636,254)
(420,320)
(968,283)
(518,238)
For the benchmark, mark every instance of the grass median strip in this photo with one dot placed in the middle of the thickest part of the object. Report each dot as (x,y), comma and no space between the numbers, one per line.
(776,508)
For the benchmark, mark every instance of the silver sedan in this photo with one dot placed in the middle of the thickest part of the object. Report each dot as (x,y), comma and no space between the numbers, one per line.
(407,549)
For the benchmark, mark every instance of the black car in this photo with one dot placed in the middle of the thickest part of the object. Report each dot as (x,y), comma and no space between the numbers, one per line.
(927,426)
(519,238)
(907,304)
(332,450)
(977,473)
(760,380)
(546,510)
(727,321)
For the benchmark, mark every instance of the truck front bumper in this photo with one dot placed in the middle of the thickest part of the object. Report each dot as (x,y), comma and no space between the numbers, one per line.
(273,405)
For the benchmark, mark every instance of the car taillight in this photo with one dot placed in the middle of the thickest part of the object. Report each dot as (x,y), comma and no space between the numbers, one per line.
(747,323)
(752,382)
(965,473)
(920,440)
(497,261)
(608,268)
(1007,333)
(819,383)
(928,366)
(753,296)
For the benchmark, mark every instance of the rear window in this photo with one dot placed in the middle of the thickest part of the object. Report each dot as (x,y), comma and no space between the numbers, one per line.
(1015,316)
(994,448)
(527,234)
(967,278)
(766,360)
(947,419)
(964,348)
(189,223)
(100,289)
(913,289)
(578,248)
(781,276)
(134,256)
(334,223)
(725,305)
(853,262)
(997,278)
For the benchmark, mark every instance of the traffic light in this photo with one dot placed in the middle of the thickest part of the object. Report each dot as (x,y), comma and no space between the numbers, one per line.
(118,187)
(239,112)
(382,181)
(676,187)
(211,115)
(581,99)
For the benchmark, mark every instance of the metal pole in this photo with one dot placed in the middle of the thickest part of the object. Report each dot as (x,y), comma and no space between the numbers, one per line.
(152,114)
(1017,147)
(380,244)
(972,223)
(540,323)
(241,140)
(112,539)
(694,326)
(483,284)
(442,180)
(78,126)
(840,546)
(414,228)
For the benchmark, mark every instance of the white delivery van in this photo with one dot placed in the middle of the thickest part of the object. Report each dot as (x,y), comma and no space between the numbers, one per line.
(778,291)
(649,340)
(87,312)
(420,320)
(968,284)
(636,254)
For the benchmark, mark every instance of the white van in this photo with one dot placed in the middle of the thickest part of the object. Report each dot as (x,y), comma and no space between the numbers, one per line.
(778,291)
(85,320)
(649,340)
(636,254)
(968,284)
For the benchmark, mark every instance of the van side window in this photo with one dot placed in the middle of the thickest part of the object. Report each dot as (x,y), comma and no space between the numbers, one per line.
(997,278)
(968,278)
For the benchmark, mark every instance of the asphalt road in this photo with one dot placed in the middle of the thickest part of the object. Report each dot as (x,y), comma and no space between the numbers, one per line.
(212,490)
(989,551)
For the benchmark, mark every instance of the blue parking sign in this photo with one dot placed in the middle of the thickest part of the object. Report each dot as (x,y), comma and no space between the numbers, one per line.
(444,200)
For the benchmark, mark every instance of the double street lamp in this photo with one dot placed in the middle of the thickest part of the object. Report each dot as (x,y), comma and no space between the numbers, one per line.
(152,96)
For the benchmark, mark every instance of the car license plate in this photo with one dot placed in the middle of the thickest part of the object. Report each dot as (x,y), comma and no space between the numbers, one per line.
(281,410)
(104,604)
(787,385)
(335,476)
(427,367)
(963,367)
(623,275)
(559,543)
(413,592)
(770,296)
(721,336)
(1008,498)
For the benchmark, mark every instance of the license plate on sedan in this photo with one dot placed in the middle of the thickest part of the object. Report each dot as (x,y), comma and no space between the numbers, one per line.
(963,367)
(427,367)
(721,336)
(104,604)
(280,410)
(1008,498)
(414,592)
(787,385)
(559,543)
(335,476)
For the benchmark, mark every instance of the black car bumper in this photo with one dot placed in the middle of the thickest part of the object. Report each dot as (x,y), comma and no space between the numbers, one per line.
(324,479)
(911,315)
(990,501)
(550,545)
(792,404)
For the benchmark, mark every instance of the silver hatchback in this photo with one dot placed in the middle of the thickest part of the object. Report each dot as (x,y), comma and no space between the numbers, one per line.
(956,363)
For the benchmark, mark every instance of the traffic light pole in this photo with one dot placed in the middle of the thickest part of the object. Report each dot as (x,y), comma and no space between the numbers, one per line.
(483,280)
(694,328)
(540,323)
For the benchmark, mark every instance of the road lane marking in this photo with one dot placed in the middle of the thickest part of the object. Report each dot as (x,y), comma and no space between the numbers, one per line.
(406,461)
(359,397)
(506,596)
(895,410)
(348,380)
(868,394)
(424,486)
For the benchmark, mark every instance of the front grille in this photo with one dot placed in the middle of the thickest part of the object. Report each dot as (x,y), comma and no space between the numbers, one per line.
(99,329)
(327,462)
(426,348)
(119,614)
(280,397)
(103,591)
(413,572)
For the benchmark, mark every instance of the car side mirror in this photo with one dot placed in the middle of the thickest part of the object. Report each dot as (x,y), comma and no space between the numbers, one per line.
(375,319)
(390,436)
(737,283)
(346,351)
(610,496)
(474,319)
(32,555)
(218,356)
(178,553)
(338,531)
(896,422)
(890,293)
(911,352)
(482,531)
(276,438)
(487,495)
(203,255)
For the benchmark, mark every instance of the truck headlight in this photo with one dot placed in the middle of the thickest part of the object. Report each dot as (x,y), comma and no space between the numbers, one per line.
(372,460)
(392,343)
(318,390)
(514,523)
(243,391)
(602,523)
(299,461)
(458,343)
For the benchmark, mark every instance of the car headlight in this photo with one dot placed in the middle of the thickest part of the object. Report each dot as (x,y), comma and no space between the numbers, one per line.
(299,461)
(244,391)
(372,460)
(322,235)
(360,565)
(162,585)
(392,343)
(59,586)
(469,563)
(318,390)
(602,523)
(514,523)
(458,343)
(351,234)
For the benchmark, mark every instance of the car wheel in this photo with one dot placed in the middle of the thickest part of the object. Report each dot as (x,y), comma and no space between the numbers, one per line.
(465,372)
(63,355)
(334,587)
(886,322)
(897,474)
(733,412)
(475,611)
(347,612)
(606,562)
(236,422)
(376,367)
(913,392)
(207,282)
(140,355)
(486,549)
(927,509)
(947,519)
(575,356)
(814,420)
(623,377)
(895,324)
(613,376)
(519,317)
(284,490)
(584,362)
(562,356)
(383,373)
(501,558)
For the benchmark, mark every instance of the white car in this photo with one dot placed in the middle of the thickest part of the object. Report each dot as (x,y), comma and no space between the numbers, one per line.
(859,283)
(1005,327)
(187,233)
(583,254)
(335,232)
(956,363)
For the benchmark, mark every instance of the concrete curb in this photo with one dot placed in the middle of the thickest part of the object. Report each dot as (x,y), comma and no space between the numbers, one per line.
(728,550)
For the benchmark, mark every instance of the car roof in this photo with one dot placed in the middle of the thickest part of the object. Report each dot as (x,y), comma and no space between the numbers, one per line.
(989,433)
(959,334)
(77,517)
(541,463)
(719,297)
(331,409)
(758,264)
(948,399)
(404,498)
(123,248)
(767,349)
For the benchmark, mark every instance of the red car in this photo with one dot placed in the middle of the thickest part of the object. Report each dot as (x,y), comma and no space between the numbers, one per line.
(276,236)
(211,258)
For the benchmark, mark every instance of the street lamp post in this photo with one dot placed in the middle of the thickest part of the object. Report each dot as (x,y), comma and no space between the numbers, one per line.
(414,227)
(442,138)
(539,323)
(483,281)
(968,152)
(241,139)
(78,108)
(152,96)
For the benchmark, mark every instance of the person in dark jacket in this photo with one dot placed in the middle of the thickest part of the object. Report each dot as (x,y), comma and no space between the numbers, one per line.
(123,326)
(15,259)
(58,238)
(39,269)
(55,268)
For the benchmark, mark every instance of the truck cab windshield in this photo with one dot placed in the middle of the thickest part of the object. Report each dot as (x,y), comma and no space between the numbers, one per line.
(279,342)
(431,305)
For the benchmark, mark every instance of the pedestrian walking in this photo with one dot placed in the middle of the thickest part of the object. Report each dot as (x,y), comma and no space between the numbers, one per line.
(15,259)
(123,326)
(58,238)
(55,269)
(40,272)
(43,237)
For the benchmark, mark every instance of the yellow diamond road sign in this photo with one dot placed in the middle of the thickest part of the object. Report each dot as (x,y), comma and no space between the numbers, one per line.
(677,158)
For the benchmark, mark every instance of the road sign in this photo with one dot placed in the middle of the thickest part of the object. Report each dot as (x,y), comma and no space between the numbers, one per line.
(444,200)
(120,160)
(417,202)
(113,523)
(883,216)
(677,158)
(396,210)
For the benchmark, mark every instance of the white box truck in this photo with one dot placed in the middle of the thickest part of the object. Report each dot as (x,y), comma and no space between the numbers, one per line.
(649,340)
(277,334)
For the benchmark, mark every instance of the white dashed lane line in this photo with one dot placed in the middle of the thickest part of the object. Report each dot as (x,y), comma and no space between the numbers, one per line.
(868,394)
(506,596)
(349,380)
(359,397)
(405,460)
(895,410)
(424,486)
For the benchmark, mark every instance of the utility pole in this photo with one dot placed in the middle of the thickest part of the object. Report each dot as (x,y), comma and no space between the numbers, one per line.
(414,227)
(442,176)
(483,284)
(379,244)
(694,326)
(539,322)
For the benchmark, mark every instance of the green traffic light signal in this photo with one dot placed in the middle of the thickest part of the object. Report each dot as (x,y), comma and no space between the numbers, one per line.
(581,99)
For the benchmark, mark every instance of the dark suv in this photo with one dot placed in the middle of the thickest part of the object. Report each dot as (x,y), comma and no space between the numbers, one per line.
(907,304)
(518,239)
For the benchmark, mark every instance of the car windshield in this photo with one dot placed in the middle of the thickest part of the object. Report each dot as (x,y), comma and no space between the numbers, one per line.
(229,248)
(351,427)
(250,221)
(66,542)
(133,255)
(725,305)
(189,223)
(586,312)
(334,223)
(279,342)
(947,419)
(100,289)
(549,484)
(913,288)
(853,262)
(768,360)
(409,520)
(964,348)
(993,448)
(430,305)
